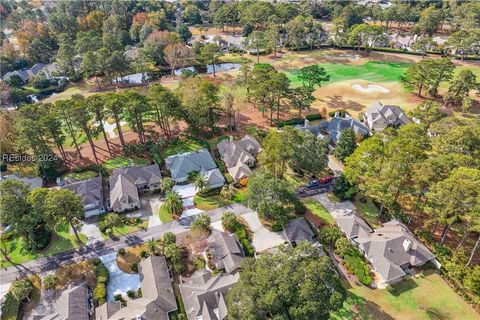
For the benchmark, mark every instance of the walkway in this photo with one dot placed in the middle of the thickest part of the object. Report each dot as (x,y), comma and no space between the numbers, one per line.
(101,248)
(335,208)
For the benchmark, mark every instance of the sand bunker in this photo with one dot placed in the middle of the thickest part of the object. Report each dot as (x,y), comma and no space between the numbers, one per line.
(370,88)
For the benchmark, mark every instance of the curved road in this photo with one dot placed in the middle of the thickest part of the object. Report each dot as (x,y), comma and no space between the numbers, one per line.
(101,248)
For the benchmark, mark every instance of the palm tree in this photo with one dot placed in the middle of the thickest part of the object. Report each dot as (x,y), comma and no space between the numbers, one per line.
(200,183)
(152,247)
(174,203)
(166,184)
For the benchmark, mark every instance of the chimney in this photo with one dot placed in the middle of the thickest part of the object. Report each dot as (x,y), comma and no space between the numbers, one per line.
(407,245)
(231,138)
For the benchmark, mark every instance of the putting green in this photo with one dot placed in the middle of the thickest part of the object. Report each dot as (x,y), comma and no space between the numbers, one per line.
(374,71)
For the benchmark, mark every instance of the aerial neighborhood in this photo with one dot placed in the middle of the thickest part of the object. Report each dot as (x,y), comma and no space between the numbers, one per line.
(213,160)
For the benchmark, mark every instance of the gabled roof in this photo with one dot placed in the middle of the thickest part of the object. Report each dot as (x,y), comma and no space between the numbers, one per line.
(353,226)
(379,112)
(392,247)
(157,298)
(204,294)
(181,165)
(125,181)
(26,73)
(236,155)
(226,248)
(90,191)
(336,126)
(72,304)
(298,230)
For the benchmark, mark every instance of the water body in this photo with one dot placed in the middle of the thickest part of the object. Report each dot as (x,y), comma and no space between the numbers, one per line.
(218,68)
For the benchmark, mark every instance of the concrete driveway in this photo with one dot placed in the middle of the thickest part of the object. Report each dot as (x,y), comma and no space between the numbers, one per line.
(119,282)
(335,208)
(335,165)
(263,239)
(186,190)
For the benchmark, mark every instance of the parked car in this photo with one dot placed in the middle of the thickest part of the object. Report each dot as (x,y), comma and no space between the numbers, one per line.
(312,184)
(325,180)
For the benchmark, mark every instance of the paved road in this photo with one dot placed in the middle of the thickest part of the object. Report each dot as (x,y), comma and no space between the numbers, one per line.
(101,248)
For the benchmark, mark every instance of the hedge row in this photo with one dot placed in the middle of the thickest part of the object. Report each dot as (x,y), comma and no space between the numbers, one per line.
(102,275)
(296,121)
(10,307)
(241,234)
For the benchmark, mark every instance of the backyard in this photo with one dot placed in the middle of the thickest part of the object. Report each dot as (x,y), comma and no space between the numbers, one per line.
(120,162)
(81,175)
(423,297)
(181,145)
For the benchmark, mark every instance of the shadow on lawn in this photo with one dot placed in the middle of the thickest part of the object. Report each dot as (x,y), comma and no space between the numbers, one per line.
(357,307)
(402,287)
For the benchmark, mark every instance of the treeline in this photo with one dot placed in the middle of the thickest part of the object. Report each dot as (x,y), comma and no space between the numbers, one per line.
(429,172)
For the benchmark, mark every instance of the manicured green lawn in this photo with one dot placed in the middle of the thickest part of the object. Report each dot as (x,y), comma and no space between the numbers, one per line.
(24,169)
(317,209)
(181,145)
(120,162)
(60,242)
(210,202)
(165,216)
(367,211)
(83,175)
(426,297)
(126,228)
(375,71)
(240,195)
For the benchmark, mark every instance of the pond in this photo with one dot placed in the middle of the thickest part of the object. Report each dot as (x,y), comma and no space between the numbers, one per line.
(218,68)
(132,78)
(119,281)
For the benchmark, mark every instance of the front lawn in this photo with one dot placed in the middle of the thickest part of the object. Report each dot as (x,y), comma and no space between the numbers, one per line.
(426,297)
(127,261)
(61,241)
(240,195)
(82,175)
(126,228)
(317,209)
(181,145)
(210,202)
(164,215)
(367,211)
(120,162)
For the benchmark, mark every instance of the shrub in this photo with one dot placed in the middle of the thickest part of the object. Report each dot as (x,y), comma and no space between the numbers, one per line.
(143,254)
(96,261)
(139,293)
(291,122)
(201,223)
(134,267)
(229,221)
(341,113)
(277,227)
(344,189)
(359,268)
(49,282)
(299,207)
(101,273)
(3,166)
(10,307)
(315,116)
(229,178)
(131,294)
(99,293)
(122,251)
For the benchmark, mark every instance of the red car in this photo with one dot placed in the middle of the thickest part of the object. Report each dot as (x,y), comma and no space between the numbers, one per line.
(325,180)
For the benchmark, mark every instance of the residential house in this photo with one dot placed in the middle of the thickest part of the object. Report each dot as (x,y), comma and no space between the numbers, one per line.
(126,184)
(31,182)
(38,68)
(201,161)
(379,116)
(158,298)
(225,250)
(205,295)
(316,130)
(239,156)
(74,303)
(298,230)
(400,41)
(337,124)
(353,226)
(393,251)
(91,193)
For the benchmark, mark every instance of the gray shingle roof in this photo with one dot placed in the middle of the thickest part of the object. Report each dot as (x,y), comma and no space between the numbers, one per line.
(90,191)
(237,155)
(226,248)
(298,230)
(32,183)
(72,304)
(181,165)
(204,291)
(336,126)
(124,182)
(381,116)
(353,226)
(157,298)
(392,247)
(27,73)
